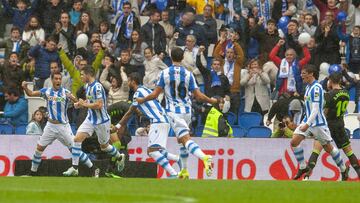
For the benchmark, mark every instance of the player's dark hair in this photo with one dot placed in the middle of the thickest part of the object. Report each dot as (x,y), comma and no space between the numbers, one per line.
(335,78)
(88,70)
(310,68)
(135,76)
(55,73)
(177,54)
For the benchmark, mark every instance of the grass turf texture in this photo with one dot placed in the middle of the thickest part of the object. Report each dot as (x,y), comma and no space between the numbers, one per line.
(57,189)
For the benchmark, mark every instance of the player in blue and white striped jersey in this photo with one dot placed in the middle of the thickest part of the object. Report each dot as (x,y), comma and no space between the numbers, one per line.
(58,126)
(97,120)
(314,123)
(179,85)
(159,128)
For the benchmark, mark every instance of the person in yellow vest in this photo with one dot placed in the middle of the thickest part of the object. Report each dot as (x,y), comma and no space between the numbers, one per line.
(216,124)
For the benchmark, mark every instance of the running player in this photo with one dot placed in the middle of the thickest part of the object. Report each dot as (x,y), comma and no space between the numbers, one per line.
(97,120)
(178,83)
(336,101)
(159,128)
(314,124)
(58,126)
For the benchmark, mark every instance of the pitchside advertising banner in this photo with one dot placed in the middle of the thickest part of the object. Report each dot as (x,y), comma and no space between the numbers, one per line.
(236,159)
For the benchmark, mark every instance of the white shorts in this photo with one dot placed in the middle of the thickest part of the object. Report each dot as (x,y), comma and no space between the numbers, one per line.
(180,123)
(320,133)
(102,130)
(61,132)
(158,134)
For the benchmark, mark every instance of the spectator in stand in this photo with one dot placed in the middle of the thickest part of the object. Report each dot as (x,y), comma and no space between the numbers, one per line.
(11,72)
(95,49)
(97,8)
(349,9)
(64,32)
(291,8)
(15,44)
(234,59)
(153,66)
(21,15)
(34,126)
(256,82)
(105,33)
(288,79)
(94,37)
(199,5)
(43,56)
(209,24)
(65,78)
(137,46)
(51,14)
(16,107)
(154,34)
(291,38)
(189,27)
(307,24)
(330,6)
(352,48)
(314,50)
(117,86)
(169,29)
(33,32)
(253,44)
(326,34)
(85,25)
(125,24)
(75,12)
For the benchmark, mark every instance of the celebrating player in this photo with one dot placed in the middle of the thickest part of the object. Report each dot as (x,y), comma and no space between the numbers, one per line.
(58,126)
(314,124)
(159,128)
(335,107)
(97,120)
(177,82)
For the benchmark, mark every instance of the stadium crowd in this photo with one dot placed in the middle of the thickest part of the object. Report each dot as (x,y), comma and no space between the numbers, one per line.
(244,53)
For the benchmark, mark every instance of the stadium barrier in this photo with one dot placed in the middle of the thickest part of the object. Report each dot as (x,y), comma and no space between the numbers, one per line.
(238,159)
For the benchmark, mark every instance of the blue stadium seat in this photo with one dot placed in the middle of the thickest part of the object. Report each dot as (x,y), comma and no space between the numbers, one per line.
(249,119)
(259,132)
(6,129)
(20,130)
(238,131)
(231,118)
(356,134)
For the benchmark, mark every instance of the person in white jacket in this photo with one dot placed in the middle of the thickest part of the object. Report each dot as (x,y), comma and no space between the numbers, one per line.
(34,127)
(153,66)
(33,32)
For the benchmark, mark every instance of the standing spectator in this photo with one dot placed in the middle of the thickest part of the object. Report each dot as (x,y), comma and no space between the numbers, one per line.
(199,5)
(253,44)
(11,72)
(43,56)
(349,9)
(65,78)
(33,32)
(51,14)
(15,44)
(326,34)
(353,48)
(256,82)
(291,9)
(64,32)
(34,126)
(330,6)
(288,79)
(209,24)
(97,8)
(105,33)
(137,47)
(291,38)
(154,34)
(234,59)
(314,50)
(21,15)
(153,66)
(168,27)
(75,12)
(85,25)
(189,27)
(307,25)
(125,24)
(16,107)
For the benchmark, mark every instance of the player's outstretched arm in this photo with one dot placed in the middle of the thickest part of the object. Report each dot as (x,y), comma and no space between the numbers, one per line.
(29,92)
(155,94)
(98,104)
(203,98)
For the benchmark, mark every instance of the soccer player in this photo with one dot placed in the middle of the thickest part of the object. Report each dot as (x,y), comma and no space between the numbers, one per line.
(178,83)
(314,124)
(159,127)
(57,126)
(97,120)
(336,101)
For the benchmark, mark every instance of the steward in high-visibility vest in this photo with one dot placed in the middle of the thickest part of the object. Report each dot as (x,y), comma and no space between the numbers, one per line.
(216,125)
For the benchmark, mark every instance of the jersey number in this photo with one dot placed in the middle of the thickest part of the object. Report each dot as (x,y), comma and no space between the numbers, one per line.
(181,89)
(341,108)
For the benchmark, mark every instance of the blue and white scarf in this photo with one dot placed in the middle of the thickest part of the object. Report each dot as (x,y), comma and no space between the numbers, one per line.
(215,79)
(264,11)
(128,29)
(283,6)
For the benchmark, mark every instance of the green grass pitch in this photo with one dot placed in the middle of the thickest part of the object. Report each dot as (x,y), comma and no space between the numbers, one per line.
(58,189)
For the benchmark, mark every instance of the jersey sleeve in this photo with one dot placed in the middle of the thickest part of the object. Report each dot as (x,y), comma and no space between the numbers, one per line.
(134,102)
(161,81)
(316,94)
(43,92)
(192,83)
